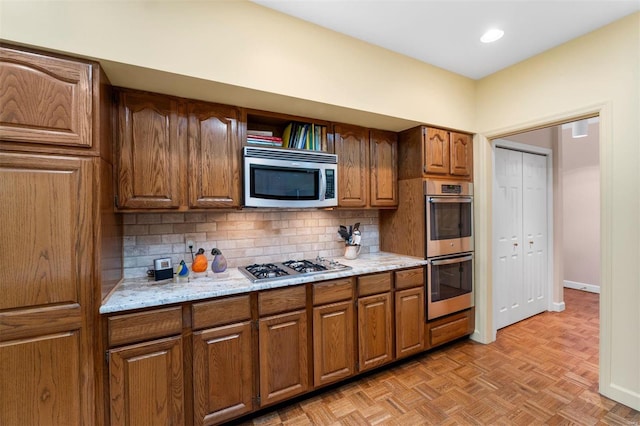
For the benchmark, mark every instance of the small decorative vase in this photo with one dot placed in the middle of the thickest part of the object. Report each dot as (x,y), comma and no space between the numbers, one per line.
(183,272)
(219,263)
(200,263)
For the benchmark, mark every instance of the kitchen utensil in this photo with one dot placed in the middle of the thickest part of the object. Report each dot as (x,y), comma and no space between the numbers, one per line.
(344,234)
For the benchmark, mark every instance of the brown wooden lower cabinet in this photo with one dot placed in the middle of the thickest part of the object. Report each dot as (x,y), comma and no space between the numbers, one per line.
(375,338)
(146,383)
(355,326)
(284,368)
(222,373)
(41,381)
(409,321)
(333,335)
(449,328)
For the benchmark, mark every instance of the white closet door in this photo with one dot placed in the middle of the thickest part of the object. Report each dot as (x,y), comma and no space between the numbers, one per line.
(534,208)
(507,219)
(519,217)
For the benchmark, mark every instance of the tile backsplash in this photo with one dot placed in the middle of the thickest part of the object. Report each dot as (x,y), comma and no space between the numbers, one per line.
(244,237)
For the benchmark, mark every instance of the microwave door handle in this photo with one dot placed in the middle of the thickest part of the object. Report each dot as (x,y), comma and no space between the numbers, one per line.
(450,261)
(323,185)
(450,200)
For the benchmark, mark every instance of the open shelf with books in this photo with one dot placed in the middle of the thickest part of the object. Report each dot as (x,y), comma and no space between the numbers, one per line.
(287,131)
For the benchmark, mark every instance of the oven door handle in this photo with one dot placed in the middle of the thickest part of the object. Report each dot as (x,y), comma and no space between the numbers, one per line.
(450,200)
(438,262)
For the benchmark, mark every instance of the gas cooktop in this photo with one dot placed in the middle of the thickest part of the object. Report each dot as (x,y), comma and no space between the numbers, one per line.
(290,268)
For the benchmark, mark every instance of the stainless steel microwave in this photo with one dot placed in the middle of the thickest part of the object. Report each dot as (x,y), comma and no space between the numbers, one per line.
(289,178)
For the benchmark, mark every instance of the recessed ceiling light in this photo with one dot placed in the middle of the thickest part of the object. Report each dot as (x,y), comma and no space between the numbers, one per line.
(492,35)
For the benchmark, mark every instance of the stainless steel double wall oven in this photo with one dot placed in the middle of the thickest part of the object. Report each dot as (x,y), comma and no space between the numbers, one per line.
(449,246)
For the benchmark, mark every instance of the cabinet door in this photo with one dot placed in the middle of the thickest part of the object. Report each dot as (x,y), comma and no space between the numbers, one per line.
(383,148)
(146,383)
(436,151)
(41,381)
(222,373)
(214,156)
(46,233)
(45,100)
(284,368)
(375,338)
(352,148)
(461,155)
(150,148)
(333,339)
(409,321)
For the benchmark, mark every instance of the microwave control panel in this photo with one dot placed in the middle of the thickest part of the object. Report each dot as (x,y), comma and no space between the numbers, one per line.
(330,192)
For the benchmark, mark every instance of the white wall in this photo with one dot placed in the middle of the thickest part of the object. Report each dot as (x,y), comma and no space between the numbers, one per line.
(581,209)
(594,74)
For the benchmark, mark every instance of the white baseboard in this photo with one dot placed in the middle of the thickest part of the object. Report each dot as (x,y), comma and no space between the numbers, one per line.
(582,286)
(557,307)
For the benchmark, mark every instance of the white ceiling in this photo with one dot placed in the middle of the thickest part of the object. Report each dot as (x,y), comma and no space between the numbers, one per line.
(446,33)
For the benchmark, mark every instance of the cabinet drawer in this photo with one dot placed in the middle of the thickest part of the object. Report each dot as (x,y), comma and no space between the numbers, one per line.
(450,328)
(220,311)
(281,300)
(409,278)
(372,284)
(144,326)
(332,291)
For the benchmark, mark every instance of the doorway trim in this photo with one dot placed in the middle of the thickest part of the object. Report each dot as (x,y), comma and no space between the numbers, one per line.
(548,153)
(483,183)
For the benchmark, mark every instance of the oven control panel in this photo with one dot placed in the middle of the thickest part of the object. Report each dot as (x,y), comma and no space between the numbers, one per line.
(451,189)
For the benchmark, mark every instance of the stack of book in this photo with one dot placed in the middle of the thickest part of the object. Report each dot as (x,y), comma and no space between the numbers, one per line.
(263,137)
(305,136)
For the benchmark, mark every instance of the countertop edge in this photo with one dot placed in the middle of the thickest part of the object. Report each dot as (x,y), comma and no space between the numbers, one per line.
(176,293)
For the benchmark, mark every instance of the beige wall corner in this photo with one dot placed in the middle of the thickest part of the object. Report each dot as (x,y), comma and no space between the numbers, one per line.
(583,77)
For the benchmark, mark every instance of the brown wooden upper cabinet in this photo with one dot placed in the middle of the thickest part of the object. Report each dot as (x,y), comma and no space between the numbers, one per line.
(383,168)
(444,154)
(367,167)
(176,154)
(45,100)
(214,150)
(150,149)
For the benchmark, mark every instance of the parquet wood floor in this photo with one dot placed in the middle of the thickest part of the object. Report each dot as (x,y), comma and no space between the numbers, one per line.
(543,370)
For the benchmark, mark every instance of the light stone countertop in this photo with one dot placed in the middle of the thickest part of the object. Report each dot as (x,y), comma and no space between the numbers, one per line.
(137,293)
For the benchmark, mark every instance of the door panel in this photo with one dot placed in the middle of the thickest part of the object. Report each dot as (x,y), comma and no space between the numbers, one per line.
(40,381)
(507,217)
(146,383)
(534,183)
(352,148)
(41,198)
(150,147)
(283,356)
(222,374)
(214,174)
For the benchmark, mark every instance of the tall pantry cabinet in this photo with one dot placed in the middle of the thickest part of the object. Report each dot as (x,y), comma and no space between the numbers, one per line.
(61,241)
